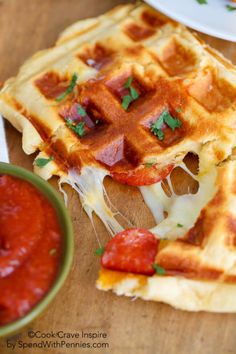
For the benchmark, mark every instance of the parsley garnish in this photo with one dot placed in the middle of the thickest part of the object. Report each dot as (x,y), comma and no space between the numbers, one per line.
(157,126)
(149,164)
(202,2)
(99,251)
(81,111)
(128,83)
(41,162)
(159,270)
(173,123)
(165,117)
(180,225)
(126,102)
(230,8)
(134,95)
(69,89)
(77,128)
(159,133)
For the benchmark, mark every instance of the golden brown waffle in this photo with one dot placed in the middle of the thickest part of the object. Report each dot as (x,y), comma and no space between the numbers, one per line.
(172,70)
(200,266)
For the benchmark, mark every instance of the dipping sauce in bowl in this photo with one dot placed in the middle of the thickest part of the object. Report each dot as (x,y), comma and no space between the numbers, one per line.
(30,247)
(36,247)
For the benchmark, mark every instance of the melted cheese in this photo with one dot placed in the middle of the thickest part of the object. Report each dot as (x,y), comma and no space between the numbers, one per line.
(181,209)
(89,186)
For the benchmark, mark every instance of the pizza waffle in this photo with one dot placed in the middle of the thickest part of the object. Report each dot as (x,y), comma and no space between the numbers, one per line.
(128,94)
(199,269)
(171,70)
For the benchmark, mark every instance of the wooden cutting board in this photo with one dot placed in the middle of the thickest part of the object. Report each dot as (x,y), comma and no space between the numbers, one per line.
(131,326)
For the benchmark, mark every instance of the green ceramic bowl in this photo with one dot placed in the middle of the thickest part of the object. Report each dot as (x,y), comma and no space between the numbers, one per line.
(68,247)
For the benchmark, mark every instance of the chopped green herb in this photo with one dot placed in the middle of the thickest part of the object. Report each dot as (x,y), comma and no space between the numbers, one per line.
(128,83)
(173,123)
(99,251)
(202,2)
(69,89)
(126,102)
(127,99)
(81,111)
(134,93)
(230,8)
(165,117)
(52,252)
(149,164)
(156,127)
(97,121)
(77,128)
(179,110)
(158,132)
(180,225)
(159,270)
(158,123)
(41,162)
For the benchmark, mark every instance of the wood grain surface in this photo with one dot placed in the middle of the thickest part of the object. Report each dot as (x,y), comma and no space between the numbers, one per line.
(132,327)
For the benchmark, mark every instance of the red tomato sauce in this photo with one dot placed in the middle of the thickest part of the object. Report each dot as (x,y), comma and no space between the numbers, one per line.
(30,247)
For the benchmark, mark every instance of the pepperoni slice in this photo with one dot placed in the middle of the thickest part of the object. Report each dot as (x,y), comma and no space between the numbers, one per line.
(132,250)
(142,176)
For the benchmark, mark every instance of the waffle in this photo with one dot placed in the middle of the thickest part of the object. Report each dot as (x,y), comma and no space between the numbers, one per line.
(200,266)
(172,71)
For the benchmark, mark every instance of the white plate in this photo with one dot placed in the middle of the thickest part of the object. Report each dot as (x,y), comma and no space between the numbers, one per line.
(3,143)
(212,18)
